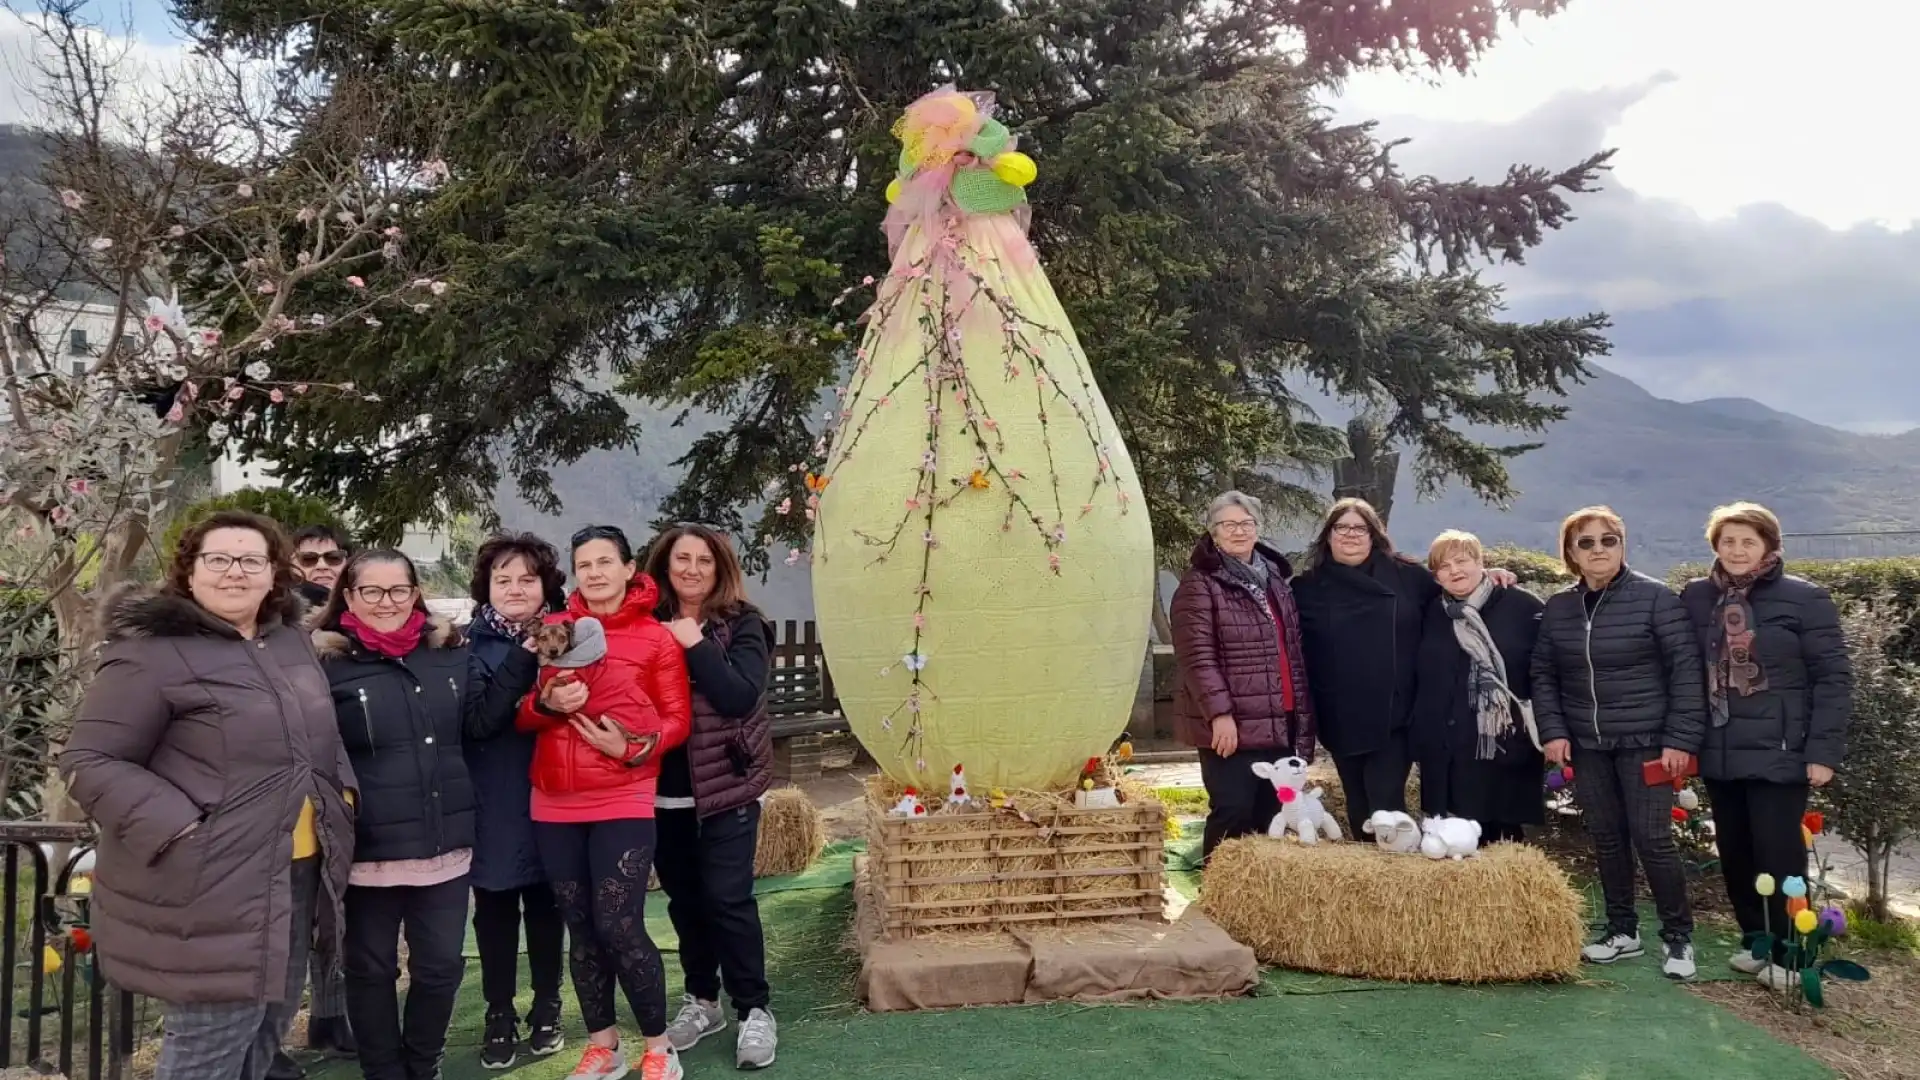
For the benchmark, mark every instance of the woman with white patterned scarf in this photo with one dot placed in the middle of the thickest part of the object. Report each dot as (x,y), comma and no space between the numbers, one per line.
(1472,731)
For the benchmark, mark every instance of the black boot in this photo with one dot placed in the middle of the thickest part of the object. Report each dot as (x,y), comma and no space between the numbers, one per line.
(331,1035)
(285,1068)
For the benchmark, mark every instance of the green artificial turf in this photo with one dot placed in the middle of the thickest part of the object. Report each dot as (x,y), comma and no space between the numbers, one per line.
(1627,1023)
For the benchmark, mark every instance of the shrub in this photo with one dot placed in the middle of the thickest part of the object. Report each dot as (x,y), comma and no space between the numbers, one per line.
(29,679)
(292,510)
(1533,568)
(1891,586)
(1875,797)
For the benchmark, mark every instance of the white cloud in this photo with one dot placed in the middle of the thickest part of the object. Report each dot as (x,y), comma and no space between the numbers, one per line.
(1770,101)
(142,67)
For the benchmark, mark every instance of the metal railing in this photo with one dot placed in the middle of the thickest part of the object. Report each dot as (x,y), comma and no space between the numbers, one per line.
(93,1024)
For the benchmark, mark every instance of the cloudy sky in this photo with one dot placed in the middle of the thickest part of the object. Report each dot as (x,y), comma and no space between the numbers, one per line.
(1758,236)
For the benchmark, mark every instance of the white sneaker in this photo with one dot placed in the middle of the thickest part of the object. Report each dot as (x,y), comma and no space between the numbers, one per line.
(759,1039)
(1774,977)
(1611,947)
(1744,963)
(1679,961)
(695,1021)
(661,1065)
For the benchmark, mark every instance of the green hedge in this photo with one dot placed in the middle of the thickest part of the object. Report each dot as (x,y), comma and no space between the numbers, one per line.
(293,511)
(1865,581)
(29,662)
(1531,567)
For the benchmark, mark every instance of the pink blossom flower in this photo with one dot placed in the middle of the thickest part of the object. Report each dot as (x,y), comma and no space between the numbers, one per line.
(72,199)
(60,515)
(154,324)
(176,231)
(392,232)
(785,507)
(306,215)
(79,487)
(245,191)
(356,281)
(793,557)
(299,388)
(236,393)
(102,243)
(266,288)
(276,397)
(210,337)
(176,414)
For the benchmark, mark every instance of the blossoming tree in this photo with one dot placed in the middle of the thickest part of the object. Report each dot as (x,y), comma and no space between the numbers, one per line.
(257,193)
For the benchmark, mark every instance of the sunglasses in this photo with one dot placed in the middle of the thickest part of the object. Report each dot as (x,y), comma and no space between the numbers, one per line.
(310,559)
(1588,543)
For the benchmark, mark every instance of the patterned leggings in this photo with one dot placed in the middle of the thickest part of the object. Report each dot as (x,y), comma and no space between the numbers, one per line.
(599,875)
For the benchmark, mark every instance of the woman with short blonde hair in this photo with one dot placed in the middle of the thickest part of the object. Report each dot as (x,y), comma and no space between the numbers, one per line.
(1472,731)
(1617,691)
(1779,695)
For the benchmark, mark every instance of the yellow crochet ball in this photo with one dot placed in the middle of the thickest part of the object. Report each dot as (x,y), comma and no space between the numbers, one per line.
(50,961)
(893,190)
(1015,168)
(1805,921)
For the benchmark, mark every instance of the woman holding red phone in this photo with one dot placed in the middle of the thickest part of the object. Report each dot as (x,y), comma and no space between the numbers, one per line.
(1779,694)
(595,825)
(1617,690)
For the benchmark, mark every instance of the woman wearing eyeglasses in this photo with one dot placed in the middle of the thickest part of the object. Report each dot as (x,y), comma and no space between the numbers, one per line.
(206,752)
(408,692)
(1617,689)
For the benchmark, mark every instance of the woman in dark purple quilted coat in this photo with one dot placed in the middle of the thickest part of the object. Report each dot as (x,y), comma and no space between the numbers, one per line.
(1242,695)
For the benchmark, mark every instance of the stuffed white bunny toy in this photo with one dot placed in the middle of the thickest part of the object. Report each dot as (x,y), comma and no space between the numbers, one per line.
(1300,809)
(1394,831)
(1449,837)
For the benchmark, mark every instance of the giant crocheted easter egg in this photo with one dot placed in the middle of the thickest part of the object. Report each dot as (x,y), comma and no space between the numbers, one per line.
(982,559)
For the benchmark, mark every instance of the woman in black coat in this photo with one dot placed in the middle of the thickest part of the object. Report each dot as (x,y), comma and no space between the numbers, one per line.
(1361,610)
(1472,731)
(1779,695)
(407,692)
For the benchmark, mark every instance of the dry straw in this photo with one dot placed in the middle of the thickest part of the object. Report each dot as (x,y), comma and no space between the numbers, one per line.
(1507,915)
(972,870)
(792,834)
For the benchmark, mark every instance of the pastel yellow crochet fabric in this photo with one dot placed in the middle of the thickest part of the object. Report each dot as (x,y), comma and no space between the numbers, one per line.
(982,560)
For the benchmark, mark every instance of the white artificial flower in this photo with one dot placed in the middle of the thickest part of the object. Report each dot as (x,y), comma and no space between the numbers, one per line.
(258,371)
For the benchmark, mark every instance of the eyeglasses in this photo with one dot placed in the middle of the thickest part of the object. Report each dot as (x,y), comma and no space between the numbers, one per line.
(1350,529)
(393,594)
(310,559)
(220,562)
(1588,543)
(1236,528)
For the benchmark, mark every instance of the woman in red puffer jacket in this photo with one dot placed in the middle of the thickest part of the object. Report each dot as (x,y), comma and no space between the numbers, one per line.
(593,816)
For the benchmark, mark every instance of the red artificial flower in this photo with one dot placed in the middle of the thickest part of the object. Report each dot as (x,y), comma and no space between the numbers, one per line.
(1680,813)
(1567,771)
(1092,766)
(82,940)
(1815,822)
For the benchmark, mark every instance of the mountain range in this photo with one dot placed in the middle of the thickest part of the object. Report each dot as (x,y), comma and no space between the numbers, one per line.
(1662,464)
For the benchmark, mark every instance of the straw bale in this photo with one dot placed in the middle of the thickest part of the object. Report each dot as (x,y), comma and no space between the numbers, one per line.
(792,833)
(1507,915)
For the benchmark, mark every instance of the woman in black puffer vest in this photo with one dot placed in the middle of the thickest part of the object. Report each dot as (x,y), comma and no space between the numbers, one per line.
(407,692)
(1779,695)
(1616,686)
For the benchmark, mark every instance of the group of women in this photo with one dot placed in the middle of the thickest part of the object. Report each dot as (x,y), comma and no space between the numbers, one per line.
(1742,678)
(271,782)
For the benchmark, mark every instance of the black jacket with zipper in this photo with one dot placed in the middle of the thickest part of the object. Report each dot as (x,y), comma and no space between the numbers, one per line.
(403,722)
(1625,676)
(1360,636)
(1801,717)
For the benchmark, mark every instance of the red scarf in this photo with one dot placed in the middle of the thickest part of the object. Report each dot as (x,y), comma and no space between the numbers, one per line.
(393,643)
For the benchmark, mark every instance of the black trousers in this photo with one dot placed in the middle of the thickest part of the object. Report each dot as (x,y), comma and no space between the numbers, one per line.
(706,868)
(1757,828)
(1374,781)
(497,917)
(1238,802)
(434,919)
(1625,815)
(598,871)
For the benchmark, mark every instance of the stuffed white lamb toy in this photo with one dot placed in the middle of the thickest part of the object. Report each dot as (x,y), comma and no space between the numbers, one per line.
(1449,838)
(1394,831)
(1300,808)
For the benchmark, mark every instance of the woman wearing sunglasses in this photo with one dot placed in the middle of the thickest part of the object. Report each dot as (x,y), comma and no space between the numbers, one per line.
(408,692)
(1618,693)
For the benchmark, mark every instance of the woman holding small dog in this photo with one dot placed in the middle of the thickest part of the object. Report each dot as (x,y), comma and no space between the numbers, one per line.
(593,805)
(709,800)
(1472,731)
(1779,696)
(408,693)
(1242,698)
(516,580)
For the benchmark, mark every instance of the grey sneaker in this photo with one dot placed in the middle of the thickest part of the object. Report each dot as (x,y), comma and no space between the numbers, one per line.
(1613,946)
(1744,963)
(759,1039)
(1775,978)
(1679,961)
(696,1021)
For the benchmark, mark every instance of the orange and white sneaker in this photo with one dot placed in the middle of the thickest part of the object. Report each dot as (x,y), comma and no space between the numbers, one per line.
(601,1063)
(661,1065)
